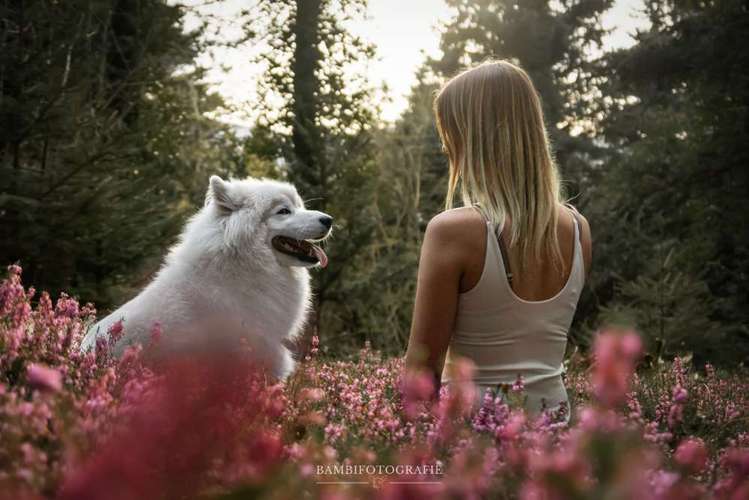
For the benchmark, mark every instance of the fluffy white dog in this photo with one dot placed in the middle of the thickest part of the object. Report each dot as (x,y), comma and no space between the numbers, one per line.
(239,270)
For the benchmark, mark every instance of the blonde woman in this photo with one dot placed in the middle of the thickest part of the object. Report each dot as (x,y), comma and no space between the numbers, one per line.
(499,279)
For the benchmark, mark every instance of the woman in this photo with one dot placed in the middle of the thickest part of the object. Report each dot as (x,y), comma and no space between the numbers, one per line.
(500,278)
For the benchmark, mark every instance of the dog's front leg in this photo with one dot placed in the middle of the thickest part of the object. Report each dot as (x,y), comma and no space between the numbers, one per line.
(285,364)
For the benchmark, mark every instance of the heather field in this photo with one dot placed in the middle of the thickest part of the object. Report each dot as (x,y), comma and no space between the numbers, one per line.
(82,426)
(115,116)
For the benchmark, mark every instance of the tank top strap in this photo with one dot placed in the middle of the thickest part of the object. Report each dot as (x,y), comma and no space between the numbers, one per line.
(496,228)
(578,263)
(578,226)
(494,235)
(482,212)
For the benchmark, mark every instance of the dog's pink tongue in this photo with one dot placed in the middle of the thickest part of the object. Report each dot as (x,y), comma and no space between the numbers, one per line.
(321,256)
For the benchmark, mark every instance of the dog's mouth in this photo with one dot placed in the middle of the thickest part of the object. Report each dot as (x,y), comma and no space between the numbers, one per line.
(304,250)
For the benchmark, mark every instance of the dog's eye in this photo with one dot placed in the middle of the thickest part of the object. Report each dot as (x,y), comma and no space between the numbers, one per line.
(284,211)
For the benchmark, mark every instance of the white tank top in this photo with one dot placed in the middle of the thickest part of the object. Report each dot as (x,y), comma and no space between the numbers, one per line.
(506,336)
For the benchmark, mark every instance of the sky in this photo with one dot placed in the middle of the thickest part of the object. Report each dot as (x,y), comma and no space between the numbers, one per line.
(403,31)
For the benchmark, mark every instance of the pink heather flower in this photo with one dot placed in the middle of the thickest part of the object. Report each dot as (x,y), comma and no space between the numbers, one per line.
(461,393)
(679,394)
(662,481)
(295,451)
(676,412)
(519,385)
(315,344)
(691,454)
(463,370)
(417,386)
(615,357)
(736,485)
(513,428)
(115,332)
(66,307)
(679,372)
(313,418)
(43,378)
(228,429)
(333,432)
(329,453)
(313,394)
(631,345)
(731,411)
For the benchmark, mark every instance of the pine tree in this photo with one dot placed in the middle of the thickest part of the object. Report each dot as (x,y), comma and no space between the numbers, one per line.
(677,148)
(101,141)
(553,42)
(323,132)
(669,307)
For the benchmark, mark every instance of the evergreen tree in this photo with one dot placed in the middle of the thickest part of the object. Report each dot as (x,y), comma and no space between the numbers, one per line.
(323,132)
(552,41)
(669,307)
(410,191)
(675,107)
(101,140)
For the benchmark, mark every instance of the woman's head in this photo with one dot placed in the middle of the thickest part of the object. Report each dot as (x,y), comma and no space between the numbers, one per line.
(491,124)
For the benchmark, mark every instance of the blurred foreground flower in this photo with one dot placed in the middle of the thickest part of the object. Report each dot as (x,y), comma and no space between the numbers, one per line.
(43,378)
(90,425)
(615,356)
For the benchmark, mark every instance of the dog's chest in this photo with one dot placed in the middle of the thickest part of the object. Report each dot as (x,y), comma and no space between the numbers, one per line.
(273,301)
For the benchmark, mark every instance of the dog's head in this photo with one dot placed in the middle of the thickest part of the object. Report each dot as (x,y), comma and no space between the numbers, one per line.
(269,214)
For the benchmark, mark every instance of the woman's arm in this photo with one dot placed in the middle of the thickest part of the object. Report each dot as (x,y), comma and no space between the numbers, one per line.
(440,269)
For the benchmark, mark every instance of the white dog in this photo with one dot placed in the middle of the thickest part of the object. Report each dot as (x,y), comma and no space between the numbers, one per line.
(241,264)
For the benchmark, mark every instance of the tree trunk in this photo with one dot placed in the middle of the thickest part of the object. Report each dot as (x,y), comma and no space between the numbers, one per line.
(307,169)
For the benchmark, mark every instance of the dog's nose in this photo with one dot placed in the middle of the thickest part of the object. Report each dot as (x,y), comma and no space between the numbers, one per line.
(326,221)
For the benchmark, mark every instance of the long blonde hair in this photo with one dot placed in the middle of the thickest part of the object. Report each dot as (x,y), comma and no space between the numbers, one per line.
(491,124)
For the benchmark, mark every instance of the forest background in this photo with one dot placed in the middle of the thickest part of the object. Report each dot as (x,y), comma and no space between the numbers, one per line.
(109,130)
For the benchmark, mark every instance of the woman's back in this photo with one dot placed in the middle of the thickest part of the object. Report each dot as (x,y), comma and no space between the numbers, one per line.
(491,125)
(511,325)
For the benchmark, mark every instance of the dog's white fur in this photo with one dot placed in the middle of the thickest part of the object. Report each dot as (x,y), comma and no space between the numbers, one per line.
(224,278)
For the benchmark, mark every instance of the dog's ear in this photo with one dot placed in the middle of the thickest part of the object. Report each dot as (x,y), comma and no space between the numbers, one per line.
(218,192)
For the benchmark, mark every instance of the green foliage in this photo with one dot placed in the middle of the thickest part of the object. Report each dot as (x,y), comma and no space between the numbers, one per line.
(670,308)
(408,192)
(105,148)
(649,137)
(103,140)
(323,132)
(675,157)
(552,41)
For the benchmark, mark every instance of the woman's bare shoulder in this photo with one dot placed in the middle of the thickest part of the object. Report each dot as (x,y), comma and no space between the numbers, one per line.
(459,234)
(456,223)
